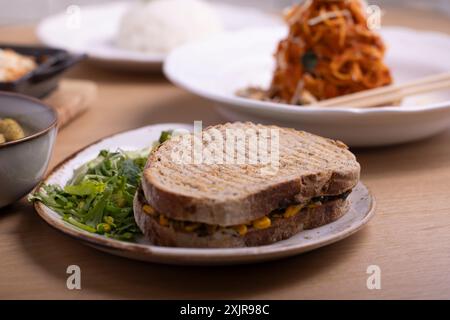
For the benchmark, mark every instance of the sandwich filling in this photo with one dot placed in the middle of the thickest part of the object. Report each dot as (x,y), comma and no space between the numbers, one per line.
(204,229)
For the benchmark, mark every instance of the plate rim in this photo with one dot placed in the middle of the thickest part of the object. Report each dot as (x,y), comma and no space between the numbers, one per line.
(235,101)
(197,255)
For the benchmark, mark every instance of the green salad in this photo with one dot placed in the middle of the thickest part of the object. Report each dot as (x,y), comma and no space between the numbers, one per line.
(99,196)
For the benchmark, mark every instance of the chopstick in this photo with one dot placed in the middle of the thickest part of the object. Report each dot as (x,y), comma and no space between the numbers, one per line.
(388,94)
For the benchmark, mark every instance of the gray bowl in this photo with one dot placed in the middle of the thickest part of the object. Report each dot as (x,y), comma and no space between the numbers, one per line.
(23,162)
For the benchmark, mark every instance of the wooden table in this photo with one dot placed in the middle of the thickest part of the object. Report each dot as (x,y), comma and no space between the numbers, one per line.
(409,238)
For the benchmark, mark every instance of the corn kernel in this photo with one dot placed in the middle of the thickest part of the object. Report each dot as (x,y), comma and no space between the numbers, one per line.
(191,227)
(163,220)
(103,228)
(262,223)
(241,229)
(292,211)
(314,205)
(148,209)
(109,220)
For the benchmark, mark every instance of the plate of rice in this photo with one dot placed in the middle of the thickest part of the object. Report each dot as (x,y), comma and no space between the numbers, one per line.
(139,35)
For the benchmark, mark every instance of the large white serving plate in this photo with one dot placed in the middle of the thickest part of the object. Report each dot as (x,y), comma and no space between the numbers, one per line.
(216,68)
(98,26)
(360,212)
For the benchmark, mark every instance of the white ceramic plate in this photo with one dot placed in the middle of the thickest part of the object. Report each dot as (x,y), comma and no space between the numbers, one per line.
(361,210)
(99,24)
(216,68)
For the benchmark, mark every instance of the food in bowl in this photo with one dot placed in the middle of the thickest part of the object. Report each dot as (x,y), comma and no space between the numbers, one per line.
(10,130)
(33,70)
(330,51)
(159,26)
(14,65)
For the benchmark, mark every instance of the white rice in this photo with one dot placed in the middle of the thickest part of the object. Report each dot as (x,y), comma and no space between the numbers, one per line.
(158,26)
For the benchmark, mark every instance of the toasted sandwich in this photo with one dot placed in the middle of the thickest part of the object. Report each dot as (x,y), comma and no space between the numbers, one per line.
(219,204)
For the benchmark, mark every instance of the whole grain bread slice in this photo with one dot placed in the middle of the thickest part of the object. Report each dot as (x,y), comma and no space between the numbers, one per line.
(282,228)
(231,193)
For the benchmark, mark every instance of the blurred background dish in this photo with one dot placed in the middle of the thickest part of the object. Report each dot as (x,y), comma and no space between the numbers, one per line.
(33,70)
(14,65)
(330,50)
(216,68)
(99,40)
(25,160)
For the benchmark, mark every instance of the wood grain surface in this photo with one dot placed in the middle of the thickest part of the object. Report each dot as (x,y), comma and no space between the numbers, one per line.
(409,237)
(72,98)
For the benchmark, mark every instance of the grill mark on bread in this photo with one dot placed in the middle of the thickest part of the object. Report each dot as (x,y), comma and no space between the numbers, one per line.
(194,169)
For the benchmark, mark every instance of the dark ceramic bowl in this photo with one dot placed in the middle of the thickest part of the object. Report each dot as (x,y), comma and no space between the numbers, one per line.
(52,63)
(23,162)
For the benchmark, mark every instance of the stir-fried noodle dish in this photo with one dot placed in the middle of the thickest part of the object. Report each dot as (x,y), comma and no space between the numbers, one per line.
(329,51)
